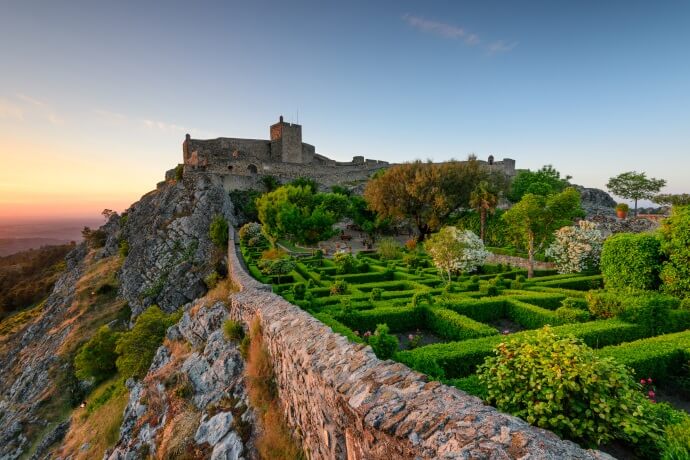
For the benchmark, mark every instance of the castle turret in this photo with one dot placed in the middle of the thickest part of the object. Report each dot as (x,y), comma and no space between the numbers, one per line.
(286,143)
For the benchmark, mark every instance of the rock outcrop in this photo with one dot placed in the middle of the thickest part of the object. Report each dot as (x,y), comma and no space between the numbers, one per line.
(596,201)
(170,251)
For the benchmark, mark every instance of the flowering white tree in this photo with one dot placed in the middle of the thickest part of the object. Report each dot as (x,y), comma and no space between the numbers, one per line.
(577,248)
(251,234)
(456,251)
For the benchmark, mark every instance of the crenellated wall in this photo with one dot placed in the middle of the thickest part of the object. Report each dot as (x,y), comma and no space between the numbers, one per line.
(344,403)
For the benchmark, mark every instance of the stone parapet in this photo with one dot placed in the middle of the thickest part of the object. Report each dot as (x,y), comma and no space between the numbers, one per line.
(345,403)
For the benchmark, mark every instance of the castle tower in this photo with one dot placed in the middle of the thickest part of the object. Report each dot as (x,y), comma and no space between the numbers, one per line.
(286,142)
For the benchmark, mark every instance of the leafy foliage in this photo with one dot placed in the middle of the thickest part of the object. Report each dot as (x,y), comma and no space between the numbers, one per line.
(577,248)
(456,251)
(96,358)
(383,343)
(233,330)
(560,384)
(533,220)
(635,186)
(545,181)
(251,235)
(631,261)
(675,245)
(484,200)
(388,249)
(218,231)
(136,347)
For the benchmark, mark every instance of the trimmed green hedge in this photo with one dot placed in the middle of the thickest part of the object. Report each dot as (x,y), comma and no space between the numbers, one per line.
(338,327)
(451,325)
(631,261)
(550,301)
(398,319)
(580,283)
(371,277)
(256,273)
(656,357)
(483,310)
(531,316)
(459,359)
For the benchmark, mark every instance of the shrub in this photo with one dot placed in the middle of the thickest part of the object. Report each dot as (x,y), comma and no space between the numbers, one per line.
(233,330)
(622,207)
(383,343)
(530,316)
(453,326)
(124,248)
(491,290)
(298,290)
(456,251)
(569,389)
(375,294)
(576,248)
(575,303)
(631,261)
(218,231)
(338,287)
(605,304)
(650,310)
(136,348)
(422,296)
(388,249)
(675,444)
(344,263)
(179,171)
(413,260)
(251,235)
(572,315)
(211,280)
(94,238)
(411,244)
(96,358)
(675,244)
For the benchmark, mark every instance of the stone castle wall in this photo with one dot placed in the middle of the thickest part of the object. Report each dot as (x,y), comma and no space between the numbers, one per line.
(344,403)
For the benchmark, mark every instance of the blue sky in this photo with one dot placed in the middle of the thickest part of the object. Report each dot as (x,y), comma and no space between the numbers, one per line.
(95,97)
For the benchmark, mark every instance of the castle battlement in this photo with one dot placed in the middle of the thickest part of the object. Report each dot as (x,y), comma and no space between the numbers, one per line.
(240,163)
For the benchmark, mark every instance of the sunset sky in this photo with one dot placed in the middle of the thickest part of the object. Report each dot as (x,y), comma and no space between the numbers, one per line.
(95,97)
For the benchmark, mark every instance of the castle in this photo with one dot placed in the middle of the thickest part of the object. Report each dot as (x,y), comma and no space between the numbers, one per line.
(241,163)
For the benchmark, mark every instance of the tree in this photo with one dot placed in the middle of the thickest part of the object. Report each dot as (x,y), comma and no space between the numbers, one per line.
(577,248)
(545,181)
(675,244)
(635,186)
(454,250)
(484,200)
(673,199)
(410,191)
(369,221)
(297,213)
(533,220)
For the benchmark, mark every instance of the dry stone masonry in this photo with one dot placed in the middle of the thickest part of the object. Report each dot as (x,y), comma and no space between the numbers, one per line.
(347,404)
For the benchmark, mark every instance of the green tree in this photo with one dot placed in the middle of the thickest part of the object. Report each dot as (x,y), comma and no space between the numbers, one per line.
(484,200)
(136,348)
(673,199)
(535,218)
(562,385)
(96,358)
(635,186)
(543,182)
(675,245)
(299,214)
(454,250)
(369,221)
(218,231)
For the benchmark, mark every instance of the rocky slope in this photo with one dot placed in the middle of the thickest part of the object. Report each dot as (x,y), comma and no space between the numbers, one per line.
(169,255)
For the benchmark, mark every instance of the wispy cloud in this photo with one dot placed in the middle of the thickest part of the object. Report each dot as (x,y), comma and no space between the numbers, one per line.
(500,46)
(163,126)
(115,118)
(41,109)
(454,32)
(10,110)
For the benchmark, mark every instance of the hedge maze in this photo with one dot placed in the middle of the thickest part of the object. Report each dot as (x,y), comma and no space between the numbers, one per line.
(459,325)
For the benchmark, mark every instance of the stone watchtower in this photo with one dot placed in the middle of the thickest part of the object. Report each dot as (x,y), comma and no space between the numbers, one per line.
(286,143)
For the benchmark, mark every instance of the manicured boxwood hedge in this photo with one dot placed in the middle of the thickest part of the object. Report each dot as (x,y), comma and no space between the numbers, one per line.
(550,301)
(459,359)
(371,277)
(453,326)
(656,357)
(338,327)
(398,319)
(483,310)
(580,283)
(530,316)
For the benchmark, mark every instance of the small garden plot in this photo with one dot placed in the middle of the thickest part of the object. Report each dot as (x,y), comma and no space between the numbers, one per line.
(410,340)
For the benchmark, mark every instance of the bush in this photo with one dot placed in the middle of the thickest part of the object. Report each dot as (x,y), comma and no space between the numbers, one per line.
(96,358)
(675,244)
(344,263)
(218,231)
(572,315)
(124,248)
(137,347)
(576,248)
(491,290)
(384,344)
(675,444)
(650,310)
(605,304)
(388,249)
(570,390)
(631,261)
(251,235)
(211,280)
(375,294)
(530,316)
(298,290)
(338,287)
(94,238)
(575,303)
(233,330)
(579,283)
(453,326)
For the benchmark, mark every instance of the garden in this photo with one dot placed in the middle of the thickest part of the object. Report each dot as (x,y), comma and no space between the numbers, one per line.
(596,350)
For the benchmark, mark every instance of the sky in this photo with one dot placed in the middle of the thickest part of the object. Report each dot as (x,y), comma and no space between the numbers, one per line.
(96,97)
